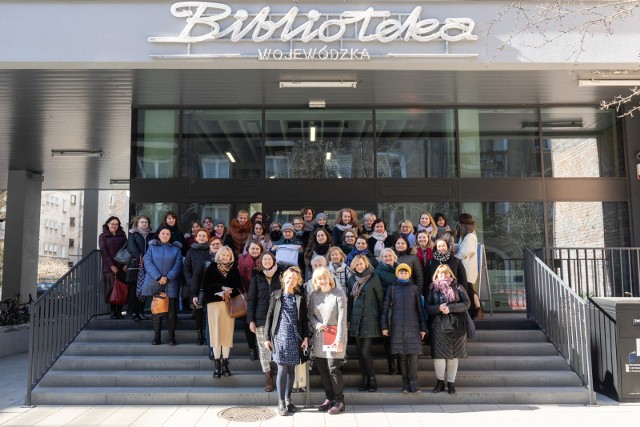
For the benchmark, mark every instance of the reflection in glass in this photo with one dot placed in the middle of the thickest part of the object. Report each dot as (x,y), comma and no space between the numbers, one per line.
(155,144)
(319,144)
(223,143)
(581,143)
(415,143)
(499,143)
(155,211)
(588,224)
(393,213)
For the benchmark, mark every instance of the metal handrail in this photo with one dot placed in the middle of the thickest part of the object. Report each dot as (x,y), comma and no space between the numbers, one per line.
(561,314)
(59,315)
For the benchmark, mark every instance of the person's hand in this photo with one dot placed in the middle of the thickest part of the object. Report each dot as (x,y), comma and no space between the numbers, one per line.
(163,280)
(422,334)
(274,247)
(114,269)
(337,345)
(195,301)
(444,309)
(385,332)
(322,327)
(252,327)
(267,345)
(305,343)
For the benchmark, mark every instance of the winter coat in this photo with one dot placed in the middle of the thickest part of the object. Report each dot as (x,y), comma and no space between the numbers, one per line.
(109,245)
(194,258)
(456,268)
(260,291)
(388,242)
(446,345)
(239,234)
(424,256)
(273,315)
(407,318)
(176,236)
(339,274)
(213,281)
(417,274)
(162,260)
(364,311)
(387,275)
(198,273)
(467,252)
(246,265)
(137,245)
(330,309)
(351,255)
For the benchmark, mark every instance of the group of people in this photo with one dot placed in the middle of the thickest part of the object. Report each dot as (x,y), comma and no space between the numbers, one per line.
(309,288)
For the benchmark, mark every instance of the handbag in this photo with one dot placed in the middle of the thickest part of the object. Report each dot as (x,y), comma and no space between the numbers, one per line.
(119,293)
(132,270)
(471,326)
(160,303)
(122,256)
(237,306)
(200,299)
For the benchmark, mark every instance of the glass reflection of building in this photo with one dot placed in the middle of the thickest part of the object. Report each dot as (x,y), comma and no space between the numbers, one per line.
(397,163)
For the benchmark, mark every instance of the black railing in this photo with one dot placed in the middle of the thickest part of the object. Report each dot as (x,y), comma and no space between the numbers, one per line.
(59,315)
(604,352)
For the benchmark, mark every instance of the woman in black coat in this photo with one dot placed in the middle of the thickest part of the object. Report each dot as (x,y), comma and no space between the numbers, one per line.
(110,241)
(140,234)
(196,255)
(444,255)
(265,280)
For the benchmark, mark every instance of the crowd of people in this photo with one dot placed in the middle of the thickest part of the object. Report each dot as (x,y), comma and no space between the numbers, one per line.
(309,288)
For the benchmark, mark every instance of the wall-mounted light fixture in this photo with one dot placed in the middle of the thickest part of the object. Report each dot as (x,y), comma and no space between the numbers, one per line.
(608,82)
(319,84)
(230,156)
(77,153)
(317,103)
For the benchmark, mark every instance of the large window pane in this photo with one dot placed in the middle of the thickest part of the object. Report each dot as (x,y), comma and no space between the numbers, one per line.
(223,144)
(496,143)
(588,224)
(393,213)
(415,143)
(582,142)
(155,143)
(155,211)
(319,144)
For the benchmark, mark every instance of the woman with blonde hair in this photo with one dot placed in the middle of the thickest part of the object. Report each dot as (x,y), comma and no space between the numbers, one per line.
(337,266)
(427,224)
(407,231)
(328,321)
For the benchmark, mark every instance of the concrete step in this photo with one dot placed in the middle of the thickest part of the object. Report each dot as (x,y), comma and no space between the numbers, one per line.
(204,378)
(201,363)
(256,396)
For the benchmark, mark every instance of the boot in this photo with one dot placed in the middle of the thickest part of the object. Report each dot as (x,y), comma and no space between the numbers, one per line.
(413,386)
(365,383)
(479,313)
(451,388)
(337,408)
(225,368)
(217,371)
(373,385)
(282,408)
(326,405)
(172,338)
(157,327)
(391,361)
(252,355)
(405,385)
(141,316)
(200,339)
(113,314)
(290,406)
(439,386)
(268,387)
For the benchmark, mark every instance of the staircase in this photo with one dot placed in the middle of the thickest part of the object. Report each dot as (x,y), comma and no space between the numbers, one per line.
(112,362)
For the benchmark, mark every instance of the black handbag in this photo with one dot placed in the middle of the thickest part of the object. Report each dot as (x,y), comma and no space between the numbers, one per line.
(200,299)
(132,271)
(122,256)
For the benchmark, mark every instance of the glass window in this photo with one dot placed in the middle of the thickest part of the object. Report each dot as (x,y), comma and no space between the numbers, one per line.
(582,142)
(199,211)
(155,143)
(588,224)
(319,144)
(415,143)
(155,211)
(497,143)
(393,213)
(223,143)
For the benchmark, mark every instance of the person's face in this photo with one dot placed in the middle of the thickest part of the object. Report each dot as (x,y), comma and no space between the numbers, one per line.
(288,233)
(242,218)
(405,229)
(201,237)
(361,244)
(275,227)
(403,275)
(368,222)
(324,283)
(143,223)
(360,266)
(254,250)
(171,221)
(424,220)
(164,236)
(214,246)
(346,217)
(401,245)
(298,224)
(308,215)
(113,226)
(208,224)
(387,258)
(349,238)
(379,228)
(423,240)
(258,218)
(442,275)
(267,262)
(322,221)
(258,230)
(225,257)
(219,228)
(441,246)
(290,281)
(194,227)
(321,238)
(319,263)
(335,257)
(441,222)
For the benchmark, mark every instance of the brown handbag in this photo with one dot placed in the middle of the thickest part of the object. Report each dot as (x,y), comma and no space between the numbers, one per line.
(160,303)
(237,306)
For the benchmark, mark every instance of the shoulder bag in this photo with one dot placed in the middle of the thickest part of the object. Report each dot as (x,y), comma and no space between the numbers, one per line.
(119,293)
(237,306)
(122,256)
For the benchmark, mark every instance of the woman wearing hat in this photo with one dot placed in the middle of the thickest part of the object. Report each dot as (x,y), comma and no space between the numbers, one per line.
(220,231)
(468,253)
(288,239)
(321,222)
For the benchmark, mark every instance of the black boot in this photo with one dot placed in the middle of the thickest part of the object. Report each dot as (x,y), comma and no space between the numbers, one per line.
(141,316)
(451,389)
(439,386)
(113,314)
(365,383)
(217,371)
(172,338)
(373,385)
(200,339)
(391,361)
(290,406)
(405,385)
(413,386)
(172,320)
(225,368)
(253,355)
(157,327)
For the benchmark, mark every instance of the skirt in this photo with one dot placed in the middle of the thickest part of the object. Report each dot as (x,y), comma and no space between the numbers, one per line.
(221,326)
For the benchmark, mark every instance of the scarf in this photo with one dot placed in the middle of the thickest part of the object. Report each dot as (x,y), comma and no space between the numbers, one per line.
(337,268)
(321,248)
(443,286)
(355,252)
(275,236)
(270,272)
(298,234)
(344,227)
(309,225)
(423,258)
(360,280)
(224,268)
(442,258)
(379,246)
(403,282)
(428,229)
(400,253)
